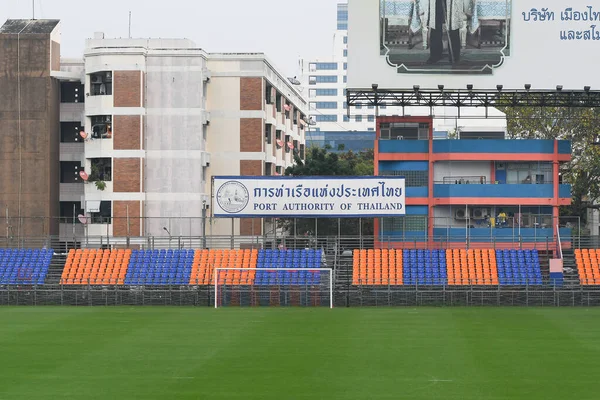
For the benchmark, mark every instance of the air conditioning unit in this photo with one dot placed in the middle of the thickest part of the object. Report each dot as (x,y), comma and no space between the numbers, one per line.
(500,166)
(206,159)
(96,79)
(400,138)
(206,75)
(480,213)
(461,213)
(108,118)
(206,118)
(109,76)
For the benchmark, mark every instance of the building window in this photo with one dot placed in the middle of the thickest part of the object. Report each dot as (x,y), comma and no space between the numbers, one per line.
(382,107)
(103,216)
(371,129)
(101,126)
(69,172)
(346,119)
(268,136)
(69,210)
(342,26)
(325,92)
(345,79)
(358,107)
(318,105)
(101,170)
(314,79)
(345,66)
(345,40)
(345,90)
(71,92)
(345,52)
(345,105)
(101,84)
(358,118)
(409,223)
(370,107)
(412,178)
(69,132)
(325,118)
(269,94)
(323,66)
(371,118)
(268,169)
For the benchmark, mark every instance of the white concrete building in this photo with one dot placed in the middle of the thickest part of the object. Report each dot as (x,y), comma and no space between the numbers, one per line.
(155,120)
(324,84)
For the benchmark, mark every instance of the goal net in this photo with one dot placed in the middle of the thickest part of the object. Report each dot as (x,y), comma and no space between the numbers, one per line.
(254,287)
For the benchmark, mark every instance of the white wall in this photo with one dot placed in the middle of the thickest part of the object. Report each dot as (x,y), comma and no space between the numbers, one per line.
(444,169)
(174,143)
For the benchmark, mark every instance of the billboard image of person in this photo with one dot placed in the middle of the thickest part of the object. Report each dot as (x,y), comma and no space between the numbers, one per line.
(445,36)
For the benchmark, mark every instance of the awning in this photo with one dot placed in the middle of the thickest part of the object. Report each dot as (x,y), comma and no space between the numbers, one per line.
(92,206)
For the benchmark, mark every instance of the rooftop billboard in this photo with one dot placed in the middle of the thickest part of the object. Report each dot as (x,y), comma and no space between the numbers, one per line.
(485,43)
(308,197)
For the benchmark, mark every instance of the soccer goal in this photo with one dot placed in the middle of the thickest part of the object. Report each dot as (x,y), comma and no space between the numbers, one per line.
(252,287)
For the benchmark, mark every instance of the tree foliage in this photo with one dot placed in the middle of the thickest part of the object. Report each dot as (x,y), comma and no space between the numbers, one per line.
(323,162)
(579,125)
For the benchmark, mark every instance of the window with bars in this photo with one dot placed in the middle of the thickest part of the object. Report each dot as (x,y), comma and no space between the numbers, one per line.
(409,223)
(412,178)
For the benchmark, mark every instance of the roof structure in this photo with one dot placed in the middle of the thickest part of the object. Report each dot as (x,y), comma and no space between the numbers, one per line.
(29,26)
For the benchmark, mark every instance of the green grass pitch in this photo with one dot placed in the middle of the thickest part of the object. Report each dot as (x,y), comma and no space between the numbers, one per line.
(275,353)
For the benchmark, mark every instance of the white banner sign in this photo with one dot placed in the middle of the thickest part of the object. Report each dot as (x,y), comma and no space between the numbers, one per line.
(484,43)
(237,196)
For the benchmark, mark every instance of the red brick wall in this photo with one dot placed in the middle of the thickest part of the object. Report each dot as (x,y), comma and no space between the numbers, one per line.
(247,228)
(126,132)
(127,88)
(251,134)
(251,167)
(251,94)
(126,175)
(120,209)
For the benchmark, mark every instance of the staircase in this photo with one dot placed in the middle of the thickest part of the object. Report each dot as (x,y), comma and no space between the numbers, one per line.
(571,272)
(56,268)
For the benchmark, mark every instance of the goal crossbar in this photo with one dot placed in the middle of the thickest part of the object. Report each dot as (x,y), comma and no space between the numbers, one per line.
(329,270)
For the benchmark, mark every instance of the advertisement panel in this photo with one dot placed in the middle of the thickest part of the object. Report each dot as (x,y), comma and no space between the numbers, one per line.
(401,43)
(308,197)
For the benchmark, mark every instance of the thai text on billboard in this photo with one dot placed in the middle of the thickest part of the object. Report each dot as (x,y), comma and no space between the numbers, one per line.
(484,43)
(308,197)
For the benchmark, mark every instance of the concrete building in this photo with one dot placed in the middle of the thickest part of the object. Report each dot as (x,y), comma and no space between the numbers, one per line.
(29,123)
(475,189)
(258,124)
(127,138)
(146,127)
(324,81)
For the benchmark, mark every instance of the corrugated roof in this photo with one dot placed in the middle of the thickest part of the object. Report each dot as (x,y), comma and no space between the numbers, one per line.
(29,26)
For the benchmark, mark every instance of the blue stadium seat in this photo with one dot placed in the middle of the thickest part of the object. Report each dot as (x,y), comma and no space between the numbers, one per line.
(159,267)
(24,266)
(518,267)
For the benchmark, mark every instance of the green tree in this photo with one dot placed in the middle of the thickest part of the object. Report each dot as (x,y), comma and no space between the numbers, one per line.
(580,126)
(322,162)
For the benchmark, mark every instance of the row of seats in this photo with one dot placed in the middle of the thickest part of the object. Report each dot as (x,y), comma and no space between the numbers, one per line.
(24,266)
(377,267)
(588,264)
(472,267)
(446,267)
(191,267)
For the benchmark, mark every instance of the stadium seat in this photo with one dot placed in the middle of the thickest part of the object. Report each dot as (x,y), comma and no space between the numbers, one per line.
(472,267)
(159,267)
(206,261)
(377,267)
(588,265)
(425,267)
(299,262)
(518,267)
(96,267)
(24,266)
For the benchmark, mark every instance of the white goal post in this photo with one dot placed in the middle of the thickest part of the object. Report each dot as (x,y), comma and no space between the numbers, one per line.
(328,281)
